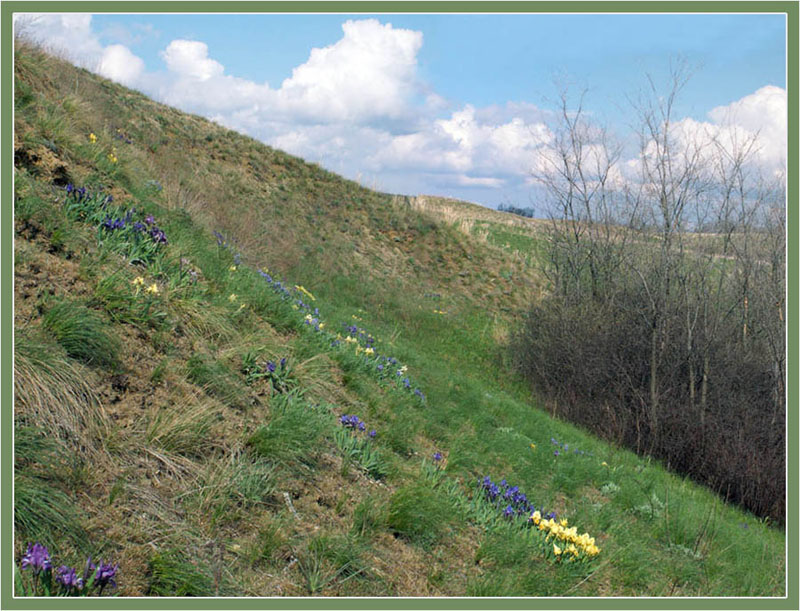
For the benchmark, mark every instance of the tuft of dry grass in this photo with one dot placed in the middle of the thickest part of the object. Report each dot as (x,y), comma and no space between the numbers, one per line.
(54,393)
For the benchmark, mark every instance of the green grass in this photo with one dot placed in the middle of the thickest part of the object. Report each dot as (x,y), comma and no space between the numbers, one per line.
(418,514)
(83,334)
(294,434)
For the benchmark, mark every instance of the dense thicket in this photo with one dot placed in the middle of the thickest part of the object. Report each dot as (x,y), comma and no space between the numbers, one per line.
(668,340)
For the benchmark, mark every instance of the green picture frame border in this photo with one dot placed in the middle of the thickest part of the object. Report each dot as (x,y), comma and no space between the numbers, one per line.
(7,10)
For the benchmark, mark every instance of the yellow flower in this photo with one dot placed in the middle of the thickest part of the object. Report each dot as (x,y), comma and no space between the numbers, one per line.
(309,318)
(369,350)
(350,339)
(138,281)
(232,298)
(604,464)
(92,138)
(321,326)
(536,517)
(556,550)
(305,292)
(572,549)
(533,447)
(153,288)
(242,307)
(232,268)
(295,307)
(563,522)
(358,348)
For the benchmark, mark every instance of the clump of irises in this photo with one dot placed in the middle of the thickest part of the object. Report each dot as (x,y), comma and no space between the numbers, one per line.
(509,500)
(356,446)
(83,204)
(126,231)
(278,374)
(64,580)
(563,449)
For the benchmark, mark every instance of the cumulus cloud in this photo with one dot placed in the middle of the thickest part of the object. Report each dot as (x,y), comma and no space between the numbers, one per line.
(370,72)
(190,58)
(119,64)
(762,114)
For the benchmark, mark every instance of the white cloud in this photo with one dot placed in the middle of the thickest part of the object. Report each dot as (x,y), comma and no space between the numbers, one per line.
(762,114)
(68,35)
(190,58)
(119,64)
(370,72)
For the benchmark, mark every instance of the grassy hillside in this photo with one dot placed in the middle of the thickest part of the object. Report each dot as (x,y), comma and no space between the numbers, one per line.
(199,321)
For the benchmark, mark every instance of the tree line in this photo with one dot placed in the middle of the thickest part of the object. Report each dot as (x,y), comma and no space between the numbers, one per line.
(664,325)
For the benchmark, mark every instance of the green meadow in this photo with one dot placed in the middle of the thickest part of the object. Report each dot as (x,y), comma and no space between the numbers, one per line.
(239,374)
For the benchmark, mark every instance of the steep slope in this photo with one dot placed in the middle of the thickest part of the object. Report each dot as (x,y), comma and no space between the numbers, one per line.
(200,318)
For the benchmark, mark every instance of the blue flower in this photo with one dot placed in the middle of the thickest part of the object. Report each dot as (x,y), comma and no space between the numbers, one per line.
(68,578)
(270,366)
(373,433)
(37,558)
(437,456)
(105,575)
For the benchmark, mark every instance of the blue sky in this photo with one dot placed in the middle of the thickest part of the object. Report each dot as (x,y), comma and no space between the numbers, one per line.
(440,104)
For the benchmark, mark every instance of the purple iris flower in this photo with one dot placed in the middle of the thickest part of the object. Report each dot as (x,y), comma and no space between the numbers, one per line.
(509,511)
(437,456)
(362,426)
(373,433)
(270,366)
(149,219)
(37,558)
(283,363)
(68,578)
(105,575)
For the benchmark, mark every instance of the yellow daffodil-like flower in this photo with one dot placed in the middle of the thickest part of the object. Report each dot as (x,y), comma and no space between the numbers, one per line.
(242,307)
(604,464)
(232,298)
(563,522)
(571,549)
(350,339)
(533,447)
(295,307)
(321,326)
(556,550)
(232,268)
(92,138)
(309,318)
(153,289)
(138,281)
(358,348)
(369,350)
(536,517)
(403,369)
